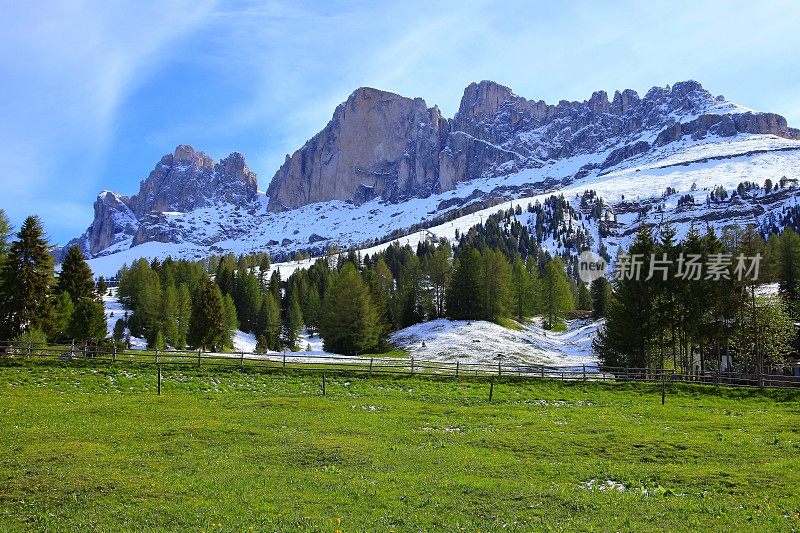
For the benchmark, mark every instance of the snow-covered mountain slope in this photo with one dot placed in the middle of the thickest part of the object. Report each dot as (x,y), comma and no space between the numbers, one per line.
(625,189)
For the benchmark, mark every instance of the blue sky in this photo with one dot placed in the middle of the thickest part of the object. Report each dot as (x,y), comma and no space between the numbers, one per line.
(92,94)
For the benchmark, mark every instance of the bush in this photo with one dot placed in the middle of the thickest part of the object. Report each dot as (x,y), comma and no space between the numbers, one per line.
(33,337)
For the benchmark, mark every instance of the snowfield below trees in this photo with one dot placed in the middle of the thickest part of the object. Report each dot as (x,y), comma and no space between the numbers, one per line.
(445,340)
(484,342)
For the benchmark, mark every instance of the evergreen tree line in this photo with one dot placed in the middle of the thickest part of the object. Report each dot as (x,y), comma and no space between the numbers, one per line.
(36,305)
(692,325)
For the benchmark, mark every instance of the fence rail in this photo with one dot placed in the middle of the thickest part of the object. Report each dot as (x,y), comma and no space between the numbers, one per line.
(387,365)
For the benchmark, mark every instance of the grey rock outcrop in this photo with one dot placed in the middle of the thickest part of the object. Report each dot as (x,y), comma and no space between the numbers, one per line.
(376,144)
(380,144)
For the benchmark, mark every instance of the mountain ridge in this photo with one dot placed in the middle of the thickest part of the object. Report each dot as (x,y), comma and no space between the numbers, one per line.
(382,149)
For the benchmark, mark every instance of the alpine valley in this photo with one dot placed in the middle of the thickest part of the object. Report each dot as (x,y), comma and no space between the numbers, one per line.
(388,168)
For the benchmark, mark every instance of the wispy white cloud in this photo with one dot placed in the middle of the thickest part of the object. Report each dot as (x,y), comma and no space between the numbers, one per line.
(89,88)
(67,67)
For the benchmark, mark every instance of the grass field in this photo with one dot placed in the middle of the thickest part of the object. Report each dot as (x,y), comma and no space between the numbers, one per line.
(87,448)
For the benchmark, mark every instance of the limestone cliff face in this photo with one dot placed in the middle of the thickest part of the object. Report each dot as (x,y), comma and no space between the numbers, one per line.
(379,144)
(376,144)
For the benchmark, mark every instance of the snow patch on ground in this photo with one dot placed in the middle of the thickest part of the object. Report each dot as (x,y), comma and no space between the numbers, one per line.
(479,341)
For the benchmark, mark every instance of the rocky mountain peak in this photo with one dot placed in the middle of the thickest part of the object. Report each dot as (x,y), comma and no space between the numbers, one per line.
(380,144)
(483,100)
(181,181)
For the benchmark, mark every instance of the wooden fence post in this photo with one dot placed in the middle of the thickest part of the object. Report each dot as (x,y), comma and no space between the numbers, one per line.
(499,369)
(241,360)
(199,351)
(157,356)
(370,366)
(284,358)
(584,372)
(323,383)
(159,380)
(491,388)
(412,365)
(456,369)
(663,389)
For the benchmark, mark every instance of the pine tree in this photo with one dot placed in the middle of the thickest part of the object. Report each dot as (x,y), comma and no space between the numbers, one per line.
(275,284)
(183,315)
(628,333)
(88,321)
(231,320)
(294,323)
(556,293)
(535,298)
(225,276)
(381,287)
(496,282)
(464,294)
(248,300)
(75,277)
(269,323)
(601,293)
(62,317)
(521,290)
(349,322)
(583,299)
(263,269)
(208,327)
(408,297)
(102,286)
(26,276)
(169,318)
(119,330)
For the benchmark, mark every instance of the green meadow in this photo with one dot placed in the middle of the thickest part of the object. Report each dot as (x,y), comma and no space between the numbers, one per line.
(92,447)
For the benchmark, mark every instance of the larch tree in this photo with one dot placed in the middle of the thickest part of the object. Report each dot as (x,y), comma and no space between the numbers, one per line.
(349,322)
(556,293)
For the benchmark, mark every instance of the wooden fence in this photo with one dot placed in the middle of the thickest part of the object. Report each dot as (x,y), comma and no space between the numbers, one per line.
(385,365)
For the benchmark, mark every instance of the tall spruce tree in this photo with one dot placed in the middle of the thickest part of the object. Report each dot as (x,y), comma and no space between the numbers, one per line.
(349,321)
(628,333)
(63,310)
(208,329)
(269,324)
(464,294)
(601,293)
(88,321)
(294,323)
(27,275)
(583,299)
